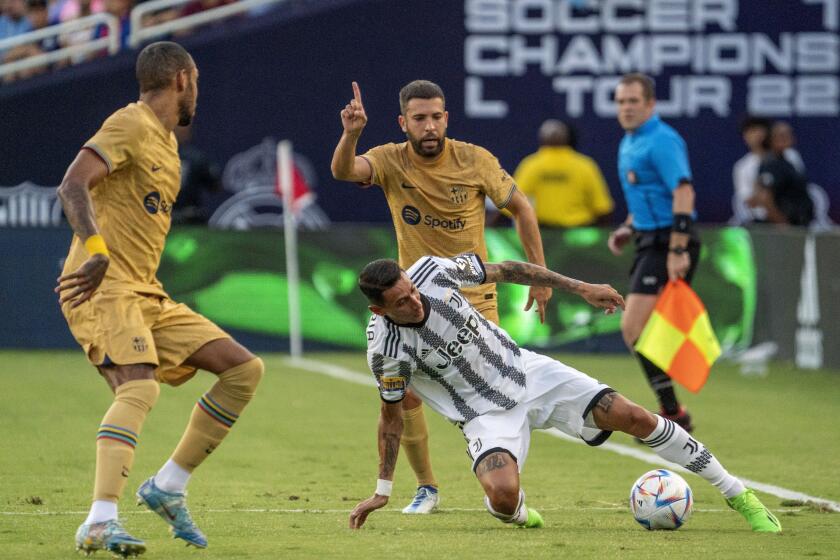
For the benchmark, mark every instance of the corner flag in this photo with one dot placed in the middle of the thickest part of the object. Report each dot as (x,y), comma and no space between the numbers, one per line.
(678,337)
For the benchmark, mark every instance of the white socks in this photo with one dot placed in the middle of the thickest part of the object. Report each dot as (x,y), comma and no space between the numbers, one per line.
(670,441)
(172,478)
(519,517)
(101,510)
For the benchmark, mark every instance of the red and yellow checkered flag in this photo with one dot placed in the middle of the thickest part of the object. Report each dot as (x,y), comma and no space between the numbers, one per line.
(678,337)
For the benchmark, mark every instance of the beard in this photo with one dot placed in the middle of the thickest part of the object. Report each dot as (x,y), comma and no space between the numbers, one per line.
(185,115)
(420,150)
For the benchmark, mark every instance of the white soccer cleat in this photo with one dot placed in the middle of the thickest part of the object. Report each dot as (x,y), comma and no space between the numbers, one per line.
(425,501)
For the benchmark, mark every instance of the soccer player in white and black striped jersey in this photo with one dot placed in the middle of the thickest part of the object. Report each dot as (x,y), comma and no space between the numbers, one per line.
(424,333)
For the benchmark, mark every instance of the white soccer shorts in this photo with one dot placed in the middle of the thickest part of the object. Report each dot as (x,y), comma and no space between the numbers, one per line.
(558,396)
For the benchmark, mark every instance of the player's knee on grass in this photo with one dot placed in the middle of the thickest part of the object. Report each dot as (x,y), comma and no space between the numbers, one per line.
(504,499)
(241,382)
(499,476)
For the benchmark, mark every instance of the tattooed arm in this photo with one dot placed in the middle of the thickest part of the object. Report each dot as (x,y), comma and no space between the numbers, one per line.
(85,171)
(527,274)
(389,435)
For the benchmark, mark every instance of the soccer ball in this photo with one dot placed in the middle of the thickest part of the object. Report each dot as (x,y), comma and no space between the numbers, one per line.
(661,499)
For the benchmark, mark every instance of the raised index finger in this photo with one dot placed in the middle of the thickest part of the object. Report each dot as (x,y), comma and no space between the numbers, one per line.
(357,93)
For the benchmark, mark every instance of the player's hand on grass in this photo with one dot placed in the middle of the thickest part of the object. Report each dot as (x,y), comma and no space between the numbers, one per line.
(359,514)
(678,265)
(353,116)
(79,286)
(541,295)
(619,238)
(602,296)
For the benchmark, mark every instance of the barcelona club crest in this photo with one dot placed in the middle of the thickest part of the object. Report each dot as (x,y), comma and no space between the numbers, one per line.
(458,194)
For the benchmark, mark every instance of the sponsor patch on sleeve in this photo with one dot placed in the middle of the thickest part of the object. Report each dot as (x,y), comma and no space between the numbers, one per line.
(392,388)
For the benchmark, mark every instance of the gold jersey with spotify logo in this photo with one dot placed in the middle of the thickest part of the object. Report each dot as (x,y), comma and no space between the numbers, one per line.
(130,319)
(438,206)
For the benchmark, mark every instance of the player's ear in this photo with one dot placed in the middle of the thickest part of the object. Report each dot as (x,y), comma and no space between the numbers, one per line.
(181,79)
(376,310)
(401,120)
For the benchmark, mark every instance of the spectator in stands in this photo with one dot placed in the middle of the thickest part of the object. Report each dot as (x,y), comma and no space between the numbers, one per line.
(782,189)
(122,10)
(66,10)
(75,9)
(566,187)
(19,53)
(39,17)
(756,134)
(13,19)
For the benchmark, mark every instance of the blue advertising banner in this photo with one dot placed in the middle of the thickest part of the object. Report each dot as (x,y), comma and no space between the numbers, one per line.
(505,66)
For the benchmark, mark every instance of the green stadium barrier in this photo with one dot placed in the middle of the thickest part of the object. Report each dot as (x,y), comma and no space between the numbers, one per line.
(238,280)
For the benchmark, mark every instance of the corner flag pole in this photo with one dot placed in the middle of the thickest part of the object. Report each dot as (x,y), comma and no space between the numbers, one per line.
(284,172)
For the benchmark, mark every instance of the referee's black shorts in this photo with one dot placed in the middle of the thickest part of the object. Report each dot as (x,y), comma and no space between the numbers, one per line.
(649,273)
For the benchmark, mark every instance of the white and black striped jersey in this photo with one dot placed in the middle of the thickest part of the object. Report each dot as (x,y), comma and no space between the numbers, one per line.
(458,362)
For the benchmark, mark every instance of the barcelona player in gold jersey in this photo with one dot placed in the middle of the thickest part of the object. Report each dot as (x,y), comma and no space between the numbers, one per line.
(436,188)
(118,195)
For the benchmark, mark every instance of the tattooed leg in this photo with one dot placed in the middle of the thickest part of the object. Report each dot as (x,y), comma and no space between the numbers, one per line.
(616,413)
(498,474)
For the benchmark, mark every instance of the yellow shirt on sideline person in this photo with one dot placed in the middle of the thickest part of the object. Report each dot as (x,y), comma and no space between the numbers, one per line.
(567,188)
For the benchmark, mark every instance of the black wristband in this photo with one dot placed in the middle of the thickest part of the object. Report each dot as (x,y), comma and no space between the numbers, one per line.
(682,223)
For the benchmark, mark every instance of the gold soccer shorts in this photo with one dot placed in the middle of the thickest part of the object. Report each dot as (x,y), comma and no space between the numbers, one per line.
(124,327)
(488,308)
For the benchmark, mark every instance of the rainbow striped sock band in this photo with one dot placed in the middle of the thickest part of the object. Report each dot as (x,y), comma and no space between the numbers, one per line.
(216,411)
(117,433)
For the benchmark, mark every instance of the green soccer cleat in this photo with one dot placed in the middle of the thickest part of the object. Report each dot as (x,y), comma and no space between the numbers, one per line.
(534,521)
(110,536)
(757,515)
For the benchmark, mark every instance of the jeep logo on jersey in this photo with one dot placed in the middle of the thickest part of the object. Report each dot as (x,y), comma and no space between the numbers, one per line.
(411,215)
(458,194)
(154,204)
(454,348)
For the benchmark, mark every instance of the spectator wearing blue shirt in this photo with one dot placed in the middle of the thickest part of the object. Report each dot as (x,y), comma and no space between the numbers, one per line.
(13,19)
(656,179)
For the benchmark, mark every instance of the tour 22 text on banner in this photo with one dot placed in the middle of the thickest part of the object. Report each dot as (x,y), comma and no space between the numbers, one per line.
(679,338)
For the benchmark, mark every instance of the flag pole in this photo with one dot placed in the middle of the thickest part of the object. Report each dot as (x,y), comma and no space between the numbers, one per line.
(284,173)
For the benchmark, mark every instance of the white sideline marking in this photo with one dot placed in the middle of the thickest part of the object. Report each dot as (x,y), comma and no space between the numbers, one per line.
(334,511)
(345,374)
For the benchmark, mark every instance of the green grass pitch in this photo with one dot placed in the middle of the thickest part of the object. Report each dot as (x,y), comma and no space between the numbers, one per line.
(304,452)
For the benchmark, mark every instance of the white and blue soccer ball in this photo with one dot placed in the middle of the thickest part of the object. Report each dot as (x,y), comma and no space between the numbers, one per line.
(661,499)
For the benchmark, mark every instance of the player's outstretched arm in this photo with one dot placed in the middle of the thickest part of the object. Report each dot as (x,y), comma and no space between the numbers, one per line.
(602,296)
(389,435)
(85,171)
(346,165)
(529,234)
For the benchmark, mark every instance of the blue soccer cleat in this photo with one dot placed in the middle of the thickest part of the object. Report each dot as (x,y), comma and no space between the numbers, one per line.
(425,501)
(172,508)
(110,536)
